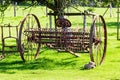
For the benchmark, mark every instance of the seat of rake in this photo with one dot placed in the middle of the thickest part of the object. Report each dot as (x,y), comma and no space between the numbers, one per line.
(62,22)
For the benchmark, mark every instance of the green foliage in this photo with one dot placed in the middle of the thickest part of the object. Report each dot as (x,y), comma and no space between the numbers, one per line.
(91,9)
(4,5)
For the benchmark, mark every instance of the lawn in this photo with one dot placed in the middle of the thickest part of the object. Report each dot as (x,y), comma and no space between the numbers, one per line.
(52,65)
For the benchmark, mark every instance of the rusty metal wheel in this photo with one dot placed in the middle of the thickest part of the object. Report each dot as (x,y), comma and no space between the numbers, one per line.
(29,49)
(98,40)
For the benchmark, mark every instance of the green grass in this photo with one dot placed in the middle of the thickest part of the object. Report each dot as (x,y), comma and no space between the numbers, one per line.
(52,65)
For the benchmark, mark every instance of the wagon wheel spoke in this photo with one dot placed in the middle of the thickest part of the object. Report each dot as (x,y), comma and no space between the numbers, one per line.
(98,40)
(29,54)
(29,49)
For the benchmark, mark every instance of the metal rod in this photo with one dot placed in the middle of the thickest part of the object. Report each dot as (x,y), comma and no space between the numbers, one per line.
(118,12)
(72,14)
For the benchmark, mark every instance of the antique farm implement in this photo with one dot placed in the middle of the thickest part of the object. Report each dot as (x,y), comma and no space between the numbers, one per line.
(63,37)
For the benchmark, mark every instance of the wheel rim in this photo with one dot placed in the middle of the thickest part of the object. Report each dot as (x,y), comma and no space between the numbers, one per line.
(98,40)
(28,50)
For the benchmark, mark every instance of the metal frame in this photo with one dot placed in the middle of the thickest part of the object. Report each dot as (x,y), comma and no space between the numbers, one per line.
(118,23)
(10,36)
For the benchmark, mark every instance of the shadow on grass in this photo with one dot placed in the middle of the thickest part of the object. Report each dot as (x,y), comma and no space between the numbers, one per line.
(118,47)
(41,63)
(115,79)
(111,24)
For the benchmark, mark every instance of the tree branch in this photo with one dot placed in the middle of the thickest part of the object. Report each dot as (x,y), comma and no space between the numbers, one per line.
(48,4)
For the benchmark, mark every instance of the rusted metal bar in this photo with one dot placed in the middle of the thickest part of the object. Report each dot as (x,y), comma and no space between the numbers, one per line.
(73,14)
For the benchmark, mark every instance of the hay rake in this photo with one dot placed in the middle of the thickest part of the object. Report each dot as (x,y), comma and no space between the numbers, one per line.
(93,40)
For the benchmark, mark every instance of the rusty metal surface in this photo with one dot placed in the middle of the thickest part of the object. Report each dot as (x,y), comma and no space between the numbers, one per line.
(8,35)
(98,40)
(73,41)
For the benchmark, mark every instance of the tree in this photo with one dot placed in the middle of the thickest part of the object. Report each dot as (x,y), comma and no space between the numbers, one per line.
(60,5)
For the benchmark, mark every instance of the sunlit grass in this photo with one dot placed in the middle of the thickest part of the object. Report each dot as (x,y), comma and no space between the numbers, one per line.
(54,65)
